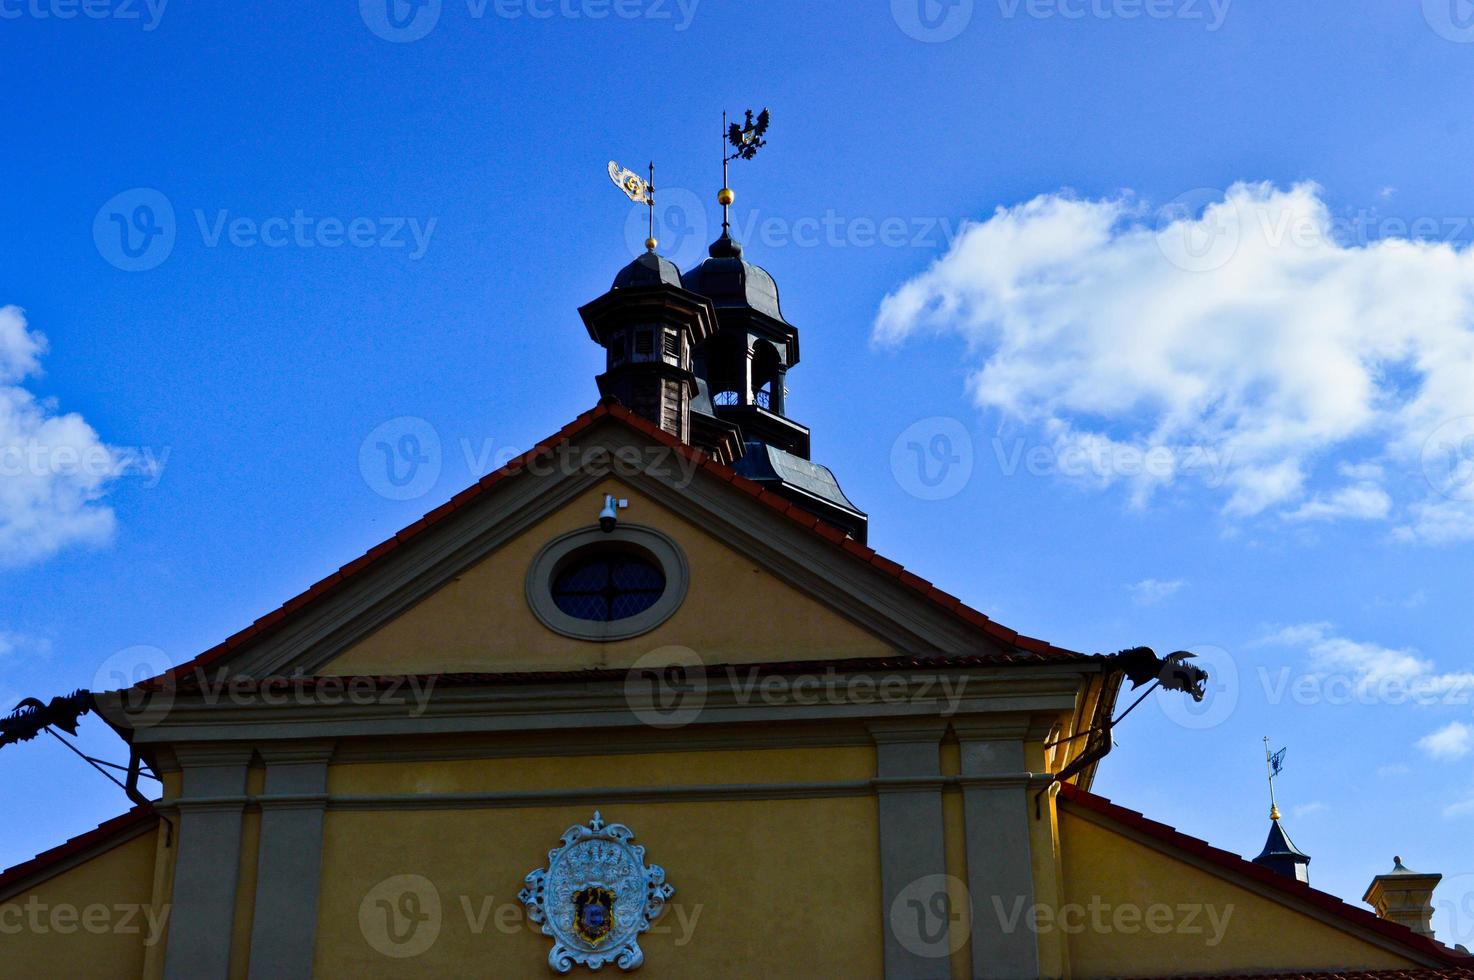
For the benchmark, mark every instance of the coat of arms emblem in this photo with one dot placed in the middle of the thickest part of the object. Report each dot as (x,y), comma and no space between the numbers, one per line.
(596,897)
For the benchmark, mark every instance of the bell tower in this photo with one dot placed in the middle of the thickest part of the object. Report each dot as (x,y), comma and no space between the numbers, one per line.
(746,364)
(743,367)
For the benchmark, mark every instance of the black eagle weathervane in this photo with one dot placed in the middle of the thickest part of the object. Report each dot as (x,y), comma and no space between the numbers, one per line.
(745,140)
(748,139)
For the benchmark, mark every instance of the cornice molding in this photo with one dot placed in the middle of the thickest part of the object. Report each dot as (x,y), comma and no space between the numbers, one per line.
(920,710)
(597,794)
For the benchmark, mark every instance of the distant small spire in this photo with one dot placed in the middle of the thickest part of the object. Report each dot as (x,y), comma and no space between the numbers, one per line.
(1273,763)
(1280,854)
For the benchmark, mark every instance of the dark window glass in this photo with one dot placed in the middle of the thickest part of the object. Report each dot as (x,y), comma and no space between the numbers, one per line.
(608,587)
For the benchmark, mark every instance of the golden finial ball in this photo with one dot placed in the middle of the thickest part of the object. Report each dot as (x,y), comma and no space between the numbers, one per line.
(725,197)
(650,244)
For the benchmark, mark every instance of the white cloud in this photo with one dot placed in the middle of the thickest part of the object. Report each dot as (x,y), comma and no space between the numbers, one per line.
(53,468)
(1362,502)
(1463,808)
(1150,591)
(1306,809)
(1377,673)
(1259,330)
(12,643)
(1453,741)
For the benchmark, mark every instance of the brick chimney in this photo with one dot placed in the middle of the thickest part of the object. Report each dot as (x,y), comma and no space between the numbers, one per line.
(1405,897)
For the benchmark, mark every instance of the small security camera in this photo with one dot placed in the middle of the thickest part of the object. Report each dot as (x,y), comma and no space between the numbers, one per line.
(609,516)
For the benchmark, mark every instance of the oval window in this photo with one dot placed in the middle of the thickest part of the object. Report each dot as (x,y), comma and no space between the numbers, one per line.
(604,586)
(590,584)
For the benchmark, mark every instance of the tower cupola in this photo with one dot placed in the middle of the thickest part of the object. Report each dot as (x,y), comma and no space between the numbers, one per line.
(746,364)
(743,367)
(649,326)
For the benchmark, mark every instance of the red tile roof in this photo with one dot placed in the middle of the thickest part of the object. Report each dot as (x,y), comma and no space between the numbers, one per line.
(613,410)
(1359,919)
(1368,974)
(80,844)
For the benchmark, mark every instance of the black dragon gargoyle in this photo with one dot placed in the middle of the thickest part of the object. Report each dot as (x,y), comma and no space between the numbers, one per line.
(30,717)
(1173,672)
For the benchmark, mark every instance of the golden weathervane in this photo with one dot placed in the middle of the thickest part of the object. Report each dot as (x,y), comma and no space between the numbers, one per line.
(639,190)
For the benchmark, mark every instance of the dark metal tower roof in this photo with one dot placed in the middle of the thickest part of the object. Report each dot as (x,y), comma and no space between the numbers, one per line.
(811,485)
(1281,856)
(648,270)
(729,281)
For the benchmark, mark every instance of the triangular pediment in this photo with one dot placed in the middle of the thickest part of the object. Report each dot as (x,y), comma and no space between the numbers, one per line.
(735,610)
(454,593)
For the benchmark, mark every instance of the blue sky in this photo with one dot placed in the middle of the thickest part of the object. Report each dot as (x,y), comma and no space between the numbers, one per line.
(1193,385)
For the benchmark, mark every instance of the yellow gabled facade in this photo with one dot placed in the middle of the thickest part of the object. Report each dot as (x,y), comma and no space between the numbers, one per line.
(865,789)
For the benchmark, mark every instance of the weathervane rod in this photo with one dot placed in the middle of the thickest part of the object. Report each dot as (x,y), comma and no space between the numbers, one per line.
(1274,810)
(726,168)
(652,207)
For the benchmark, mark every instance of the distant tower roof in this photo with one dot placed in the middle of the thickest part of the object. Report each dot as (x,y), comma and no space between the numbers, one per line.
(1281,856)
